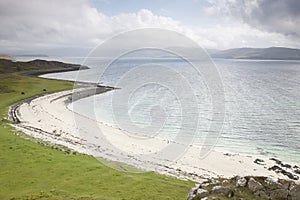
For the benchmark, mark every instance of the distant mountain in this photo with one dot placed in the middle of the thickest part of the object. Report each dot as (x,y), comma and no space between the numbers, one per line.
(272,53)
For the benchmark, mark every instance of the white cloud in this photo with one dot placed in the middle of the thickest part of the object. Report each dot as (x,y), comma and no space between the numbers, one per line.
(267,15)
(36,25)
(67,23)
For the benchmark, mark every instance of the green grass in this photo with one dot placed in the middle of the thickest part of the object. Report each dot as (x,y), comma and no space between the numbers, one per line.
(12,85)
(31,170)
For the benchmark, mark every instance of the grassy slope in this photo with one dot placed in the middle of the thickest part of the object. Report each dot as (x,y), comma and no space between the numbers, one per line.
(30,170)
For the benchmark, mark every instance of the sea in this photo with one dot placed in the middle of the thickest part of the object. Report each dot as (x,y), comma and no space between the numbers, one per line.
(256,110)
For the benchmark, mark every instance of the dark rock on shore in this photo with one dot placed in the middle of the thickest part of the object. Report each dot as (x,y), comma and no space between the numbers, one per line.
(259,161)
(297,171)
(276,160)
(278,170)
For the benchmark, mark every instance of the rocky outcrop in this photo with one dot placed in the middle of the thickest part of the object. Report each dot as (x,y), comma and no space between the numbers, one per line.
(295,192)
(254,185)
(285,169)
(281,168)
(246,188)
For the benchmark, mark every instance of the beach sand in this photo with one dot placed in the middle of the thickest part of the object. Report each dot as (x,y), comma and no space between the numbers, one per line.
(48,118)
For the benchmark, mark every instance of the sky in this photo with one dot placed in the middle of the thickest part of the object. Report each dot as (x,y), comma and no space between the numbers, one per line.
(74,27)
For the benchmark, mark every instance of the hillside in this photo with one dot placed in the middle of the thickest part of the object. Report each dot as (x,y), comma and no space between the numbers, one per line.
(36,67)
(272,53)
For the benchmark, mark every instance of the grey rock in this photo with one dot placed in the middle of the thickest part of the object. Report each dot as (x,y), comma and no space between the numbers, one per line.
(295,192)
(215,182)
(205,185)
(284,184)
(192,193)
(201,193)
(261,194)
(273,183)
(278,194)
(254,185)
(241,181)
(221,190)
(270,181)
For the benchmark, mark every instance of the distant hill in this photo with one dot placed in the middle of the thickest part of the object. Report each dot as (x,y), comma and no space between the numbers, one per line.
(36,67)
(6,57)
(272,53)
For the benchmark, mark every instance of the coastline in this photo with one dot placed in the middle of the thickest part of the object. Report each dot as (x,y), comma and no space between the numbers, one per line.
(48,118)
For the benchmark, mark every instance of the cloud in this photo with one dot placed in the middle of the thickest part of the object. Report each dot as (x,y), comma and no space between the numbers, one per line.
(55,24)
(268,15)
(74,27)
(243,35)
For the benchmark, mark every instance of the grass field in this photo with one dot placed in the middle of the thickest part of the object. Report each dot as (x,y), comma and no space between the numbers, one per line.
(31,170)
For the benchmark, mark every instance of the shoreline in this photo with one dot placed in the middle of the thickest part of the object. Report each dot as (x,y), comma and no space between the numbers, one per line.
(47,118)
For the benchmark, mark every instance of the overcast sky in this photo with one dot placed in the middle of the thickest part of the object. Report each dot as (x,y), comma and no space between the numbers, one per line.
(76,26)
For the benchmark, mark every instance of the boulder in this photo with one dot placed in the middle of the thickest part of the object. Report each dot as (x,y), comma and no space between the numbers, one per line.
(241,181)
(259,161)
(205,185)
(201,193)
(222,190)
(295,192)
(272,183)
(276,160)
(286,166)
(284,184)
(215,182)
(278,194)
(192,193)
(261,194)
(254,185)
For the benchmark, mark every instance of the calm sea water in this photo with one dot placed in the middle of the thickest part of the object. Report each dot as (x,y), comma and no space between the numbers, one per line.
(262,103)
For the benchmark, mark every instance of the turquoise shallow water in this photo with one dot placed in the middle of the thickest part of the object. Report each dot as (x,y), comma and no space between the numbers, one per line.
(262,104)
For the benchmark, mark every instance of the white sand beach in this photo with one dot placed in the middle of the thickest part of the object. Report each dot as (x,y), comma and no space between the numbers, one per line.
(48,118)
